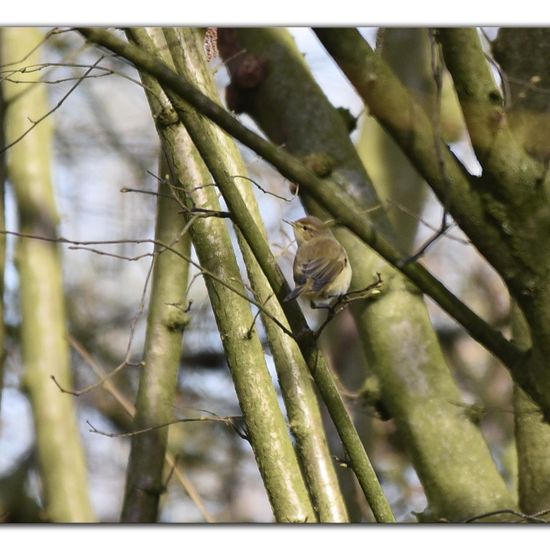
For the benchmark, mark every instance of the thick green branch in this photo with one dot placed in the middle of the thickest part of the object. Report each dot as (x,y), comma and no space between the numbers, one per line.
(320,371)
(159,377)
(482,215)
(416,384)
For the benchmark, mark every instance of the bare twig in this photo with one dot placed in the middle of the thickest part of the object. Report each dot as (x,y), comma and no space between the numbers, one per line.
(84,245)
(230,421)
(258,186)
(35,123)
(422,221)
(46,37)
(529,518)
(345,300)
(201,212)
(125,363)
(130,409)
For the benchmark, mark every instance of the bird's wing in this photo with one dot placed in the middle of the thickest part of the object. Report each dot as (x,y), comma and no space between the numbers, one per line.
(320,264)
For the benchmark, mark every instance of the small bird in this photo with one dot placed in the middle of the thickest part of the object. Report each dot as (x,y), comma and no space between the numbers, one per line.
(322,270)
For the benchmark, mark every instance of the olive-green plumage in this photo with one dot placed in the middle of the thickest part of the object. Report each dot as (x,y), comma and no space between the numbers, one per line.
(321,266)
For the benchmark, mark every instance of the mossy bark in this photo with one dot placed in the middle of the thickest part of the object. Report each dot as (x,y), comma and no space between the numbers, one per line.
(316,364)
(505,212)
(338,203)
(523,56)
(44,344)
(401,189)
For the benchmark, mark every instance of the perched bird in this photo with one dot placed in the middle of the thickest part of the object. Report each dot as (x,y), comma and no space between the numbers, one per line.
(321,266)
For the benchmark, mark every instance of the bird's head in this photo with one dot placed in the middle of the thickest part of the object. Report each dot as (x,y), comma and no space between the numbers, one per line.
(308,228)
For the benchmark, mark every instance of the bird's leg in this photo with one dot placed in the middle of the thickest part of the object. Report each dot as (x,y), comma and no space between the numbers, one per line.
(342,302)
(333,309)
(331,314)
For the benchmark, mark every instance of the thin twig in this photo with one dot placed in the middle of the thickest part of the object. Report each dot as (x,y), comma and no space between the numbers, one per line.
(346,300)
(201,212)
(256,184)
(51,111)
(430,226)
(130,409)
(57,81)
(530,518)
(227,420)
(84,245)
(46,37)
(125,363)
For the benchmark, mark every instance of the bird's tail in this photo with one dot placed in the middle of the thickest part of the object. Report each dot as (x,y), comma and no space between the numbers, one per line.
(295,293)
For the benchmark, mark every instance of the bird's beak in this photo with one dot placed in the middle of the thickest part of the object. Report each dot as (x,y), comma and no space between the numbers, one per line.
(289,223)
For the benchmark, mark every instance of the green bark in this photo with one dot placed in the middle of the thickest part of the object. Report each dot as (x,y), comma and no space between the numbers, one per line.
(409,54)
(397,182)
(532,439)
(339,204)
(44,345)
(470,201)
(186,46)
(523,56)
(483,107)
(265,423)
(416,384)
(163,344)
(323,377)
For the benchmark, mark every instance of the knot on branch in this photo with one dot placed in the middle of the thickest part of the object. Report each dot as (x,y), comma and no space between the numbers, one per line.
(166,117)
(177,317)
(322,164)
(247,73)
(247,70)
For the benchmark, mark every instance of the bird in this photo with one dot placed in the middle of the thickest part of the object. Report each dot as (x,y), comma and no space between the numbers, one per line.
(321,270)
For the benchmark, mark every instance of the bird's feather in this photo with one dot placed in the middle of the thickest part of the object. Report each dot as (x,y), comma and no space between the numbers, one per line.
(314,272)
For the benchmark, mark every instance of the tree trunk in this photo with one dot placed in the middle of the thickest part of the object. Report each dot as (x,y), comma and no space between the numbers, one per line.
(44,343)
(163,344)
